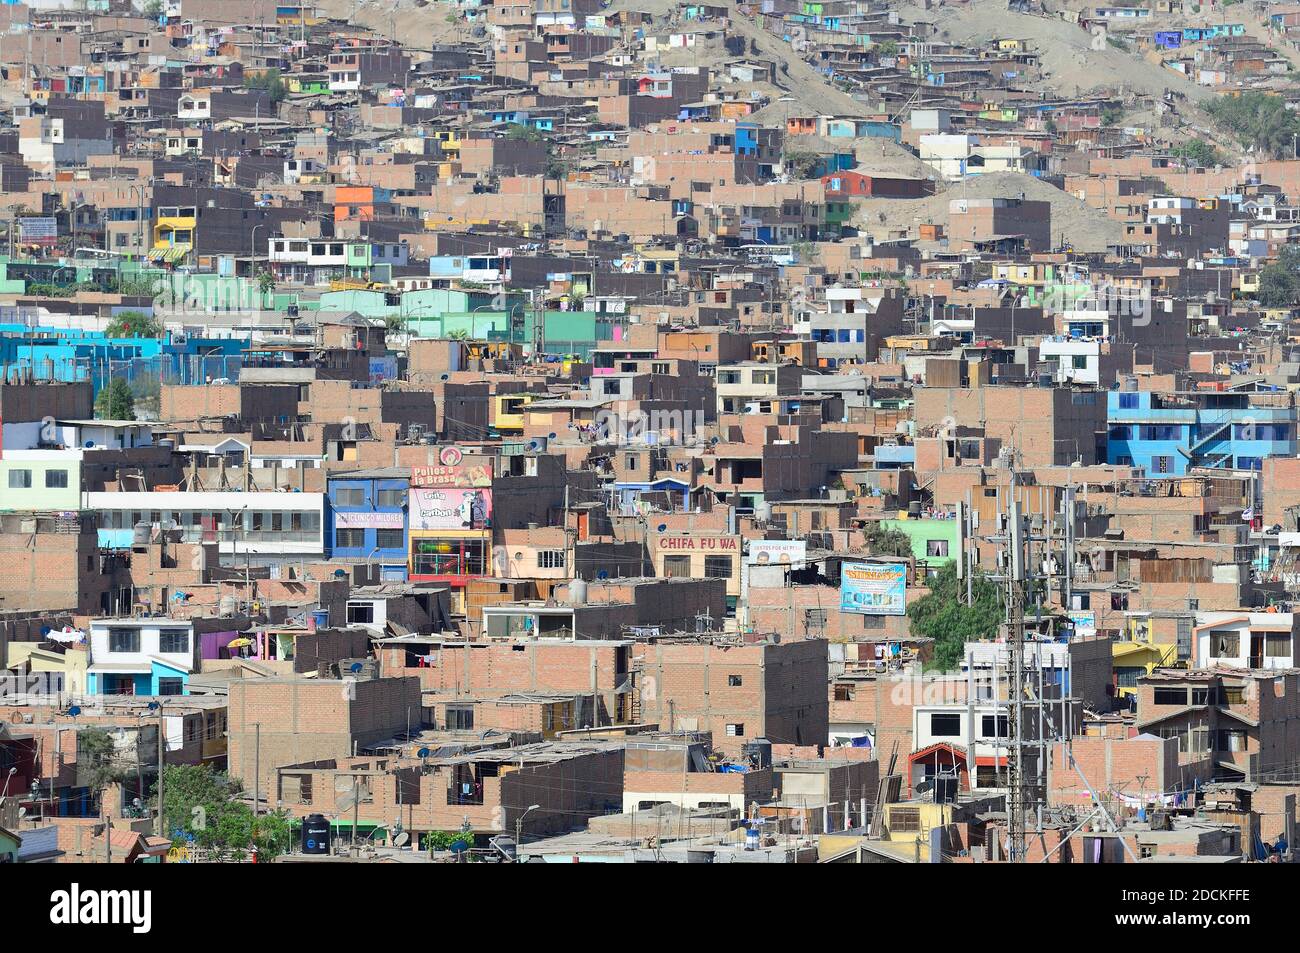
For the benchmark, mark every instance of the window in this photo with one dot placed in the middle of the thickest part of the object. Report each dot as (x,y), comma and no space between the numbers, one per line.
(124,640)
(717,567)
(390,539)
(677,566)
(995,726)
(936,547)
(460,717)
(736,729)
(1230,739)
(1162,464)
(845,692)
(171,686)
(1277,645)
(1160,432)
(56,479)
(734,681)
(1225,645)
(945,726)
(349,538)
(631,461)
(360,613)
(1126,676)
(550,559)
(905,820)
(391,498)
(350,496)
(1170,696)
(174,641)
(20,479)
(1128,401)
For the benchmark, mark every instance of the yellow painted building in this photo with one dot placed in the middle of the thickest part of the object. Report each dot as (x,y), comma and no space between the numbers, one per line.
(173,233)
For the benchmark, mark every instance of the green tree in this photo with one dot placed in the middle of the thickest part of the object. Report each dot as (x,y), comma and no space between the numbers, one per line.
(445,840)
(943,615)
(200,802)
(887,48)
(137,286)
(1260,121)
(115,401)
(265,282)
(133,324)
(1279,283)
(270,81)
(517,130)
(1198,152)
(98,762)
(886,541)
(800,163)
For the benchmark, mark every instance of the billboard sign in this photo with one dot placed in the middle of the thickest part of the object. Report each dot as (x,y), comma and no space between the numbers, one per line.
(777,552)
(451,508)
(874,588)
(454,469)
(358,520)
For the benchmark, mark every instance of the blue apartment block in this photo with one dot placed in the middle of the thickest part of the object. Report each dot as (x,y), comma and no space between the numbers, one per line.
(367,518)
(1174,432)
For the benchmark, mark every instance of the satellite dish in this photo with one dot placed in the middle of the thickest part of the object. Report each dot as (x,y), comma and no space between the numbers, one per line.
(402,839)
(602,574)
(74,711)
(354,667)
(423,753)
(662,528)
(340,573)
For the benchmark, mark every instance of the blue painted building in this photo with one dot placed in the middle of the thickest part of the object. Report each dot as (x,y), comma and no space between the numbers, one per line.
(368,518)
(1172,433)
(627,494)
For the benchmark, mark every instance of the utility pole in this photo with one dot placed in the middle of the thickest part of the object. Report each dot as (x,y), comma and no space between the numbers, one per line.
(257,766)
(162,750)
(1016,786)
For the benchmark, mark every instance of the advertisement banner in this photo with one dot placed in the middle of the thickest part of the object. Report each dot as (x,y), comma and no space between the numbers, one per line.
(346,520)
(777,552)
(433,509)
(1085,622)
(874,588)
(454,469)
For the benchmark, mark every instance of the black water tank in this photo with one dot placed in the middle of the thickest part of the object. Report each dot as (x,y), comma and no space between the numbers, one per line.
(315,834)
